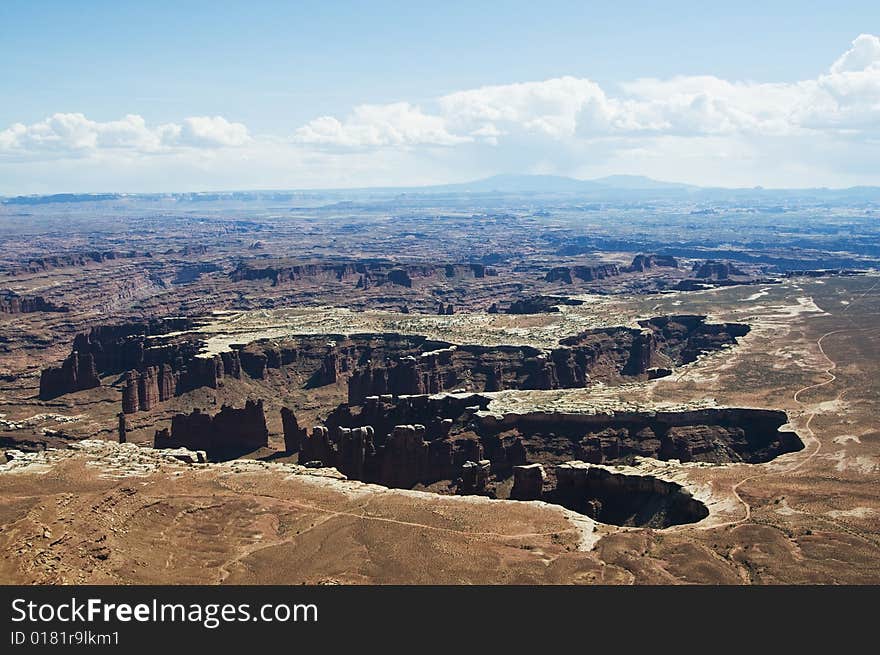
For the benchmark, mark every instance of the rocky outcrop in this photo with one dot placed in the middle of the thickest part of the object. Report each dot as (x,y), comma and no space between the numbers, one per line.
(474,477)
(316,448)
(280,272)
(642,263)
(377,442)
(716,270)
(160,359)
(145,389)
(707,435)
(189,273)
(73,260)
(528,482)
(76,373)
(363,274)
(559,274)
(568,274)
(229,433)
(355,450)
(608,354)
(404,461)
(539,305)
(293,434)
(13,303)
(400,277)
(122,347)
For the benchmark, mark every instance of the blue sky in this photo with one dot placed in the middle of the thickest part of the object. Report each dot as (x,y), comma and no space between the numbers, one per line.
(269,95)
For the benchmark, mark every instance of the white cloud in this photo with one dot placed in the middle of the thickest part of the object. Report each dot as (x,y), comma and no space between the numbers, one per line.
(864,54)
(551,107)
(701,129)
(74,135)
(847,97)
(397,124)
(211,132)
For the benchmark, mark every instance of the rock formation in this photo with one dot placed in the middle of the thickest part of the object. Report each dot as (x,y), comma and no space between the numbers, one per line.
(641,263)
(538,305)
(364,274)
(624,499)
(76,373)
(355,450)
(716,270)
(607,353)
(293,434)
(13,303)
(77,260)
(474,477)
(528,482)
(226,435)
(317,447)
(567,274)
(706,435)
(145,389)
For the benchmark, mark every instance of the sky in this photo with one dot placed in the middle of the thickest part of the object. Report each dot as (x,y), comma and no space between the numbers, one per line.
(187,95)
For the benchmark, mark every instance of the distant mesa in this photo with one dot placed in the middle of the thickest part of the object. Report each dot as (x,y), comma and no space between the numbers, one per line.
(72,260)
(640,264)
(364,274)
(13,303)
(716,270)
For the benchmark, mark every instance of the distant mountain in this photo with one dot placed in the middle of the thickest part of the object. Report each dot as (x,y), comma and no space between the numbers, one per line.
(613,188)
(511,183)
(520,184)
(60,197)
(639,182)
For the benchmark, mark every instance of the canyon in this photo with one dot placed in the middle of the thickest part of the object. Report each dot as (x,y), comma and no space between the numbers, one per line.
(462,389)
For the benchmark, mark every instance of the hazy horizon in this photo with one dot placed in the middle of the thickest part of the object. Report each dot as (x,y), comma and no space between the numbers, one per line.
(662,185)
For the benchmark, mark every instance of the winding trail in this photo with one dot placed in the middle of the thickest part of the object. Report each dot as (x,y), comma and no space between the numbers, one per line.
(735,489)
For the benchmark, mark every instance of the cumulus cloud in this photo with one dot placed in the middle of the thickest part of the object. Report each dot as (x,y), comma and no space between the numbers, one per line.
(864,54)
(210,132)
(397,124)
(702,129)
(846,97)
(73,135)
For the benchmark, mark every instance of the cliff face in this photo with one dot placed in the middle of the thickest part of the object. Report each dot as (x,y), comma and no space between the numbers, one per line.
(375,443)
(13,303)
(76,373)
(641,263)
(73,260)
(359,274)
(711,435)
(608,354)
(621,499)
(567,274)
(157,364)
(716,270)
(226,435)
(293,433)
(145,389)
(121,347)
(412,440)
